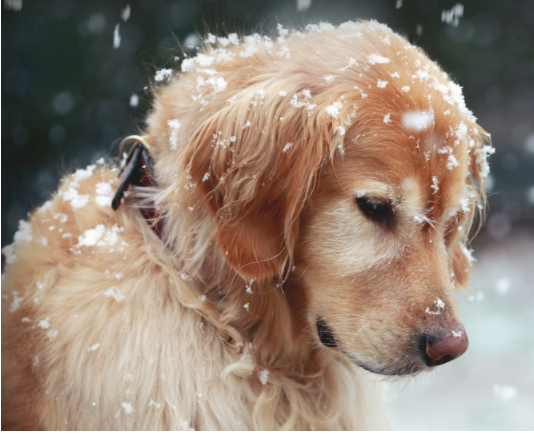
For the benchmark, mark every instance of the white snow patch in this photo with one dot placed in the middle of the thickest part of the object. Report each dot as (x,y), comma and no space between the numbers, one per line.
(44,323)
(246,306)
(91,236)
(93,347)
(185,426)
(104,193)
(100,237)
(153,403)
(174,125)
(377,58)
(128,409)
(461,132)
(52,334)
(382,84)
(114,292)
(405,88)
(334,109)
(249,286)
(71,195)
(233,38)
(452,162)
(434,185)
(439,305)
(297,102)
(387,119)
(329,78)
(468,253)
(264,376)
(61,217)
(165,73)
(205,177)
(417,120)
(16,301)
(202,297)
(457,334)
(482,159)
(287,146)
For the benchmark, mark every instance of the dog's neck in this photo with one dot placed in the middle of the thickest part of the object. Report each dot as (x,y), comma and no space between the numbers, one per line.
(267,315)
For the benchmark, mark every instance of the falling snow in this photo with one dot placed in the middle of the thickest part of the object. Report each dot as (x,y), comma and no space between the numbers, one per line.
(116,37)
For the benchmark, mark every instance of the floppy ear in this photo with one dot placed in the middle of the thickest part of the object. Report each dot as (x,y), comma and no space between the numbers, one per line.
(461,265)
(479,152)
(254,163)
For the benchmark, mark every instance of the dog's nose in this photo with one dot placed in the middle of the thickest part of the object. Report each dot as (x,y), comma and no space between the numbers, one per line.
(443,347)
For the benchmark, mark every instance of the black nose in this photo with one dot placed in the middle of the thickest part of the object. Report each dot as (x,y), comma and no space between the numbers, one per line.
(441,348)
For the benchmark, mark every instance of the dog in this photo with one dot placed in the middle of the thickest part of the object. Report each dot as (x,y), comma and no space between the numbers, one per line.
(291,222)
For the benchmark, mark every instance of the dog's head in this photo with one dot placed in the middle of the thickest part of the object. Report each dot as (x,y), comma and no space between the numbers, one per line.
(351,170)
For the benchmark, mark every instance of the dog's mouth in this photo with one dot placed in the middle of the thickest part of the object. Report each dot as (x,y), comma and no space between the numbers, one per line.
(326,335)
(412,366)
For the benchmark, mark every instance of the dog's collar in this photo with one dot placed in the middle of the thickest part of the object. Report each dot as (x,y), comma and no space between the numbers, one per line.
(137,170)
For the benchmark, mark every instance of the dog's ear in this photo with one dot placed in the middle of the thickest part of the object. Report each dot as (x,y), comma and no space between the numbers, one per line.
(479,151)
(461,264)
(254,163)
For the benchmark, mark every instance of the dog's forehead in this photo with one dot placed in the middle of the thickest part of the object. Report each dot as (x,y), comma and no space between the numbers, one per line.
(431,166)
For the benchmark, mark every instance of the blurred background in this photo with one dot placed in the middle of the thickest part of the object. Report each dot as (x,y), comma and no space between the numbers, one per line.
(75,77)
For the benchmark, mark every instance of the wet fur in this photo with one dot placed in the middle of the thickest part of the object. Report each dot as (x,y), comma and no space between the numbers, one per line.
(284,224)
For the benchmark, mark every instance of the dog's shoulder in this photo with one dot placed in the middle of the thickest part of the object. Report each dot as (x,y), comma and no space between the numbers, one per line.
(86,295)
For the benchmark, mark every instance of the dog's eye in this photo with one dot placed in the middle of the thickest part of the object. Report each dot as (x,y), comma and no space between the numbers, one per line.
(379,211)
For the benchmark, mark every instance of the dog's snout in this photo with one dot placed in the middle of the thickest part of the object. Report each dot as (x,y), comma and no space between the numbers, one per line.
(440,348)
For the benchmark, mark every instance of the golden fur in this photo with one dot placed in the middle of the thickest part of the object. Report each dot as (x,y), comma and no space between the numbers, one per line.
(260,150)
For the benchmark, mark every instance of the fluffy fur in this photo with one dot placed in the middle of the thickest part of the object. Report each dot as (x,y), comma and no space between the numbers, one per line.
(261,148)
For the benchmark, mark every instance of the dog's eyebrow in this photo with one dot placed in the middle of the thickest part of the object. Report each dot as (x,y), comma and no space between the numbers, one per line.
(379,191)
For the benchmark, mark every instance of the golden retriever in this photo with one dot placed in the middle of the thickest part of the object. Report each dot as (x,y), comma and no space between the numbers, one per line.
(312,196)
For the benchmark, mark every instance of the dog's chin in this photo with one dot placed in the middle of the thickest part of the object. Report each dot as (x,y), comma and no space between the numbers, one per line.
(412,366)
